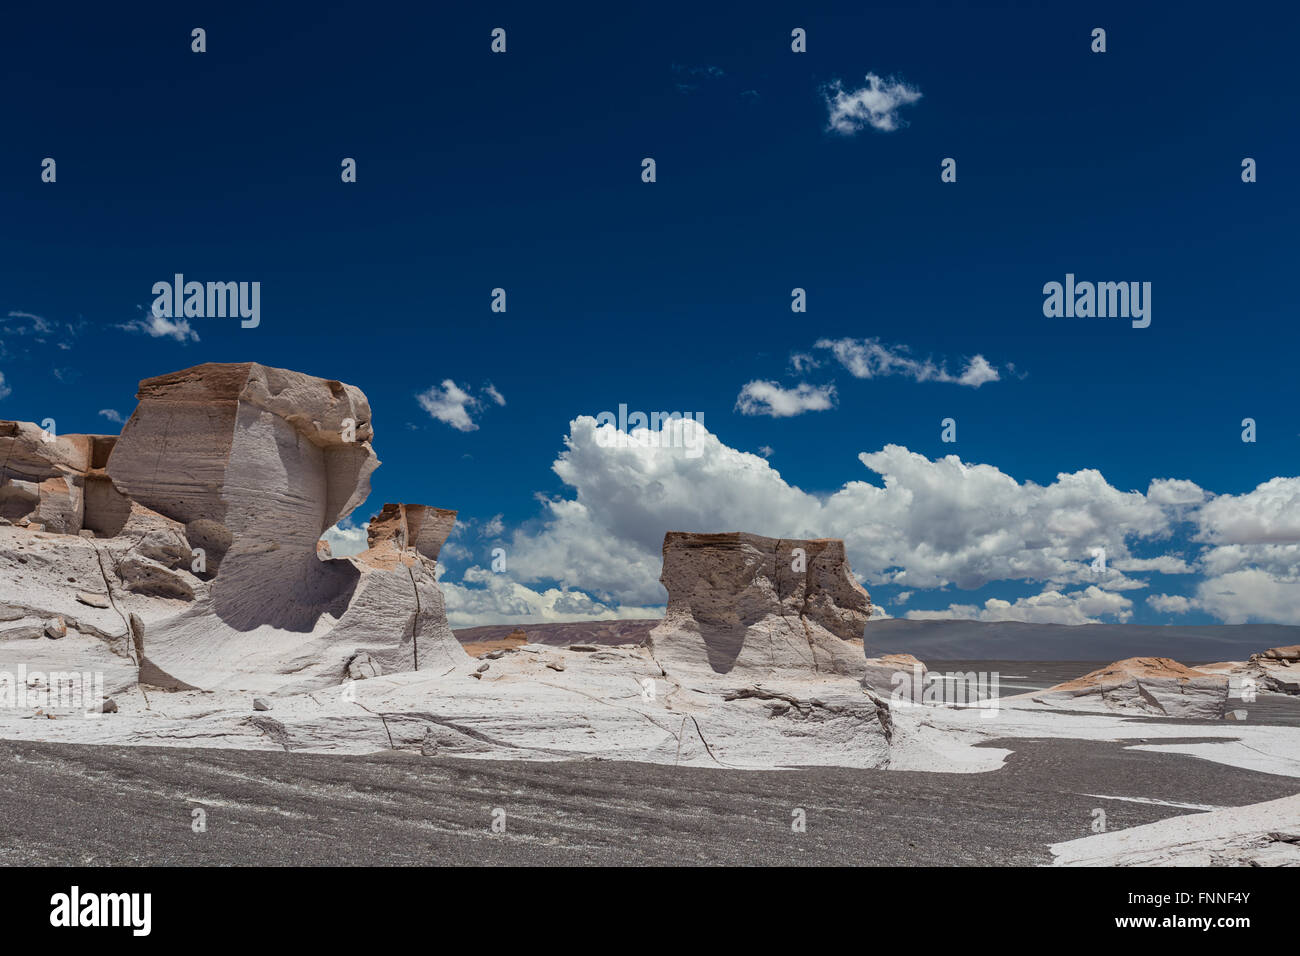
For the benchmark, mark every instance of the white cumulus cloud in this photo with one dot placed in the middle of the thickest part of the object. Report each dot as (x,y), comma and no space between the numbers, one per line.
(929,524)
(346,538)
(484,597)
(769,398)
(1087,606)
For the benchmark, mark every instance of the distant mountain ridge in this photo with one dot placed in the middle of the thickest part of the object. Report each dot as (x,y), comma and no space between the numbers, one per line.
(1012,640)
(973,640)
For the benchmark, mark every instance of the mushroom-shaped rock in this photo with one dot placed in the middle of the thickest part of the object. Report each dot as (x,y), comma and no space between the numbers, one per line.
(255,463)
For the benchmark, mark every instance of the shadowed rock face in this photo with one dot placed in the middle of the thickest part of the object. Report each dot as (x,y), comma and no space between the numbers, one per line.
(743,602)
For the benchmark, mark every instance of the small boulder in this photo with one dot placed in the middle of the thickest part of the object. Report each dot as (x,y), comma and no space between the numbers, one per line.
(55,628)
(261,703)
(91,599)
(362,665)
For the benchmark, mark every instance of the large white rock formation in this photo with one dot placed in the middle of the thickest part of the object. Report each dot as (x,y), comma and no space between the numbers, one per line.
(204,518)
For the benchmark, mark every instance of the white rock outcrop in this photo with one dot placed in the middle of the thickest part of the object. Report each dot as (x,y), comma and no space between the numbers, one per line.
(1259,834)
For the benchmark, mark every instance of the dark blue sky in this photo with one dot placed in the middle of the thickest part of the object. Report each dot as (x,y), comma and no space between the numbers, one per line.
(522,171)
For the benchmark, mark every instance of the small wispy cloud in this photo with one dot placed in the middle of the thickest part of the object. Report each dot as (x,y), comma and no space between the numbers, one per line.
(455,406)
(160,327)
(5,390)
(113,416)
(38,324)
(869,358)
(769,398)
(875,105)
(803,361)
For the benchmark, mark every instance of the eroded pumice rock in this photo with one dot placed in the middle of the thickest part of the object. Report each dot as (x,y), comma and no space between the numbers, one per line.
(1151,685)
(261,462)
(745,604)
(200,527)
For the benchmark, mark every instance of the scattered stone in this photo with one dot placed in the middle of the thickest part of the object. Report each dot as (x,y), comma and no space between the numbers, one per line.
(362,666)
(483,667)
(56,628)
(1235,715)
(110,706)
(92,599)
(555,665)
(583,648)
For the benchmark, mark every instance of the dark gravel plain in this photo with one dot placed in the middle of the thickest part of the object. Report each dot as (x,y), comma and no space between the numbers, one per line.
(115,806)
